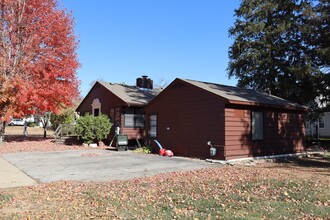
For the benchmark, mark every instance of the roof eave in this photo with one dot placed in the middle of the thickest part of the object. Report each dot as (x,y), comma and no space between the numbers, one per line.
(288,107)
(136,104)
(87,95)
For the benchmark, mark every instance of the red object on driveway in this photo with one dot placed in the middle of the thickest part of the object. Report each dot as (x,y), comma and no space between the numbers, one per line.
(165,153)
(168,153)
(162,152)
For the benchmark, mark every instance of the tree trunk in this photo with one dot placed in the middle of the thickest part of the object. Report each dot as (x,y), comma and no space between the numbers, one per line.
(2,131)
(45,125)
(45,132)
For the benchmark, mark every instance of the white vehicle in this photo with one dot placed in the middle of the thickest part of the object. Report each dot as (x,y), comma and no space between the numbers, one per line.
(16,121)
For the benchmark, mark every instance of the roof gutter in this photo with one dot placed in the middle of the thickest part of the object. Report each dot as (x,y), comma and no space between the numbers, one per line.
(305,109)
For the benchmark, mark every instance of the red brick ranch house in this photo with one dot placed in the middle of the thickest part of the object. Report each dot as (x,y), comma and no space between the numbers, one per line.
(123,104)
(243,123)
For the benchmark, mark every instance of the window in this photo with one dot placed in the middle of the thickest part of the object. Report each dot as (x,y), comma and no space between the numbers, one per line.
(257,126)
(96,112)
(96,107)
(134,118)
(322,122)
(153,126)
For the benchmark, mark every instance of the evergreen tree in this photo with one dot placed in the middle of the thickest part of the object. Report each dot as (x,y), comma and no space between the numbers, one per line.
(271,51)
(317,36)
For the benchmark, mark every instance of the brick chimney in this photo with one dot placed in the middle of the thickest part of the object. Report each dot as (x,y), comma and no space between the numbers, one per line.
(144,82)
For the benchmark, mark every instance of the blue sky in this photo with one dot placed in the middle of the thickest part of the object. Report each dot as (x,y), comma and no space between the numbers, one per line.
(121,40)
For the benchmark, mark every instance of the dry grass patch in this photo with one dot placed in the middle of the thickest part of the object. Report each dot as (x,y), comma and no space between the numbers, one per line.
(32,131)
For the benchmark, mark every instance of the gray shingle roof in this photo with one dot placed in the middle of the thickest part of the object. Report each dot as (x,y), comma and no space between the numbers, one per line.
(250,96)
(132,95)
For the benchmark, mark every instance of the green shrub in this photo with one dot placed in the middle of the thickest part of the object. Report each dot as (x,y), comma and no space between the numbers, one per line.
(138,150)
(91,128)
(31,124)
(66,117)
(144,149)
(147,149)
(68,130)
(102,127)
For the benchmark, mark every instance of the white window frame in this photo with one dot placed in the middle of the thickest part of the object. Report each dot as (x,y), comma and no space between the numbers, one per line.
(153,121)
(257,125)
(320,121)
(134,119)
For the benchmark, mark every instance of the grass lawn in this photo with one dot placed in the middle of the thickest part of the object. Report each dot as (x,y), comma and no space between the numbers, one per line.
(292,189)
(32,131)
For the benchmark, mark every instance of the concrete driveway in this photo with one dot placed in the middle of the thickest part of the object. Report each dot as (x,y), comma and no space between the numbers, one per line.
(97,165)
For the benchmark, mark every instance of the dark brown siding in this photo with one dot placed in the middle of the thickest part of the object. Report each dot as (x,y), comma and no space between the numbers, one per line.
(108,100)
(187,118)
(111,106)
(132,133)
(284,132)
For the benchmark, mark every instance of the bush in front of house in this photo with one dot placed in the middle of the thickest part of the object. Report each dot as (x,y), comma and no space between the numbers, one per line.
(84,128)
(102,126)
(66,116)
(91,128)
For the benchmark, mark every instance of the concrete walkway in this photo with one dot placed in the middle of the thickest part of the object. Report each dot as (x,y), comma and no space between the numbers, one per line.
(11,176)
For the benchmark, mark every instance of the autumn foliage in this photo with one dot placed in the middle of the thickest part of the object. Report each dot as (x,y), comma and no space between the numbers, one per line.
(38,59)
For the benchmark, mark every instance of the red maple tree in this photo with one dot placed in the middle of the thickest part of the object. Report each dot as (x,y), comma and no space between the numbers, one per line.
(38,60)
